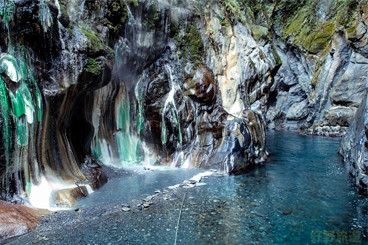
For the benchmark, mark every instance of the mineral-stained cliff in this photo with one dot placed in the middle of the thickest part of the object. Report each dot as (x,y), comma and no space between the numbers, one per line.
(85,83)
(180,83)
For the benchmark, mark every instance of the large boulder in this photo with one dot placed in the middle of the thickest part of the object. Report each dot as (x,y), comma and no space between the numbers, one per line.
(202,87)
(338,115)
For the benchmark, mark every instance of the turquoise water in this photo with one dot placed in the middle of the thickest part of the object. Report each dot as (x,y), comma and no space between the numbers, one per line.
(304,175)
(301,195)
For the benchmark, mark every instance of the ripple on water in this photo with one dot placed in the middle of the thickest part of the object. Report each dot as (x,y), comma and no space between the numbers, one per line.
(302,195)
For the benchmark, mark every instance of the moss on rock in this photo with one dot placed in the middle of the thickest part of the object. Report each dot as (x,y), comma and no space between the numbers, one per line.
(319,40)
(94,41)
(93,67)
(194,43)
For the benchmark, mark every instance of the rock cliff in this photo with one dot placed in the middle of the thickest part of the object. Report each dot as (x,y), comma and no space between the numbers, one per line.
(121,83)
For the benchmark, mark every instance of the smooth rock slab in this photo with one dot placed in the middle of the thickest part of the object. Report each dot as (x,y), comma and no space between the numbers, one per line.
(16,220)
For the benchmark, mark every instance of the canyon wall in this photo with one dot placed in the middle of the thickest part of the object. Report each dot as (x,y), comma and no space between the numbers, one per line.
(181,83)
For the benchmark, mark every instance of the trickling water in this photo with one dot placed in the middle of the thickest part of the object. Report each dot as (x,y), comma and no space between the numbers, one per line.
(171,106)
(131,24)
(128,141)
(45,16)
(139,95)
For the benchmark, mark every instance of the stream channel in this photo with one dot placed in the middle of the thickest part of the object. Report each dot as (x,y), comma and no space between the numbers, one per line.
(302,194)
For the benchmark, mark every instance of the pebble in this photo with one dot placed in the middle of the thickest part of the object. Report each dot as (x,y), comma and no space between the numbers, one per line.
(201,184)
(149,198)
(157,191)
(287,211)
(126,209)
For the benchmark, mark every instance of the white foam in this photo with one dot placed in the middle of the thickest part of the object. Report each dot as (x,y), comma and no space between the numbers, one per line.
(40,194)
(199,177)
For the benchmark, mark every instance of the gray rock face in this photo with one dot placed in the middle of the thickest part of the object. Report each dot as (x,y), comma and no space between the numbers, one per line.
(337,115)
(354,146)
(350,89)
(298,110)
(324,75)
(339,86)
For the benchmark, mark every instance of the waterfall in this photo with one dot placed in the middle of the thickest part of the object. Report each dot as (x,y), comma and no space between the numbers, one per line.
(170,106)
(7,9)
(131,24)
(139,95)
(45,16)
(127,139)
(129,147)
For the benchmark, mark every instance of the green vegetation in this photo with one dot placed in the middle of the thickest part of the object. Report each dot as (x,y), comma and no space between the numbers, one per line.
(193,45)
(152,17)
(119,9)
(190,45)
(174,30)
(63,9)
(319,40)
(95,42)
(118,14)
(315,78)
(93,67)
(70,33)
(306,29)
(276,55)
(134,2)
(233,12)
